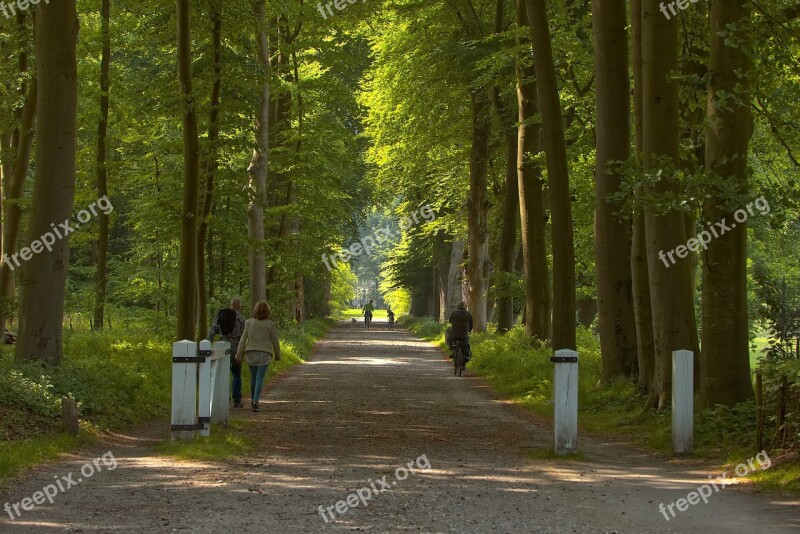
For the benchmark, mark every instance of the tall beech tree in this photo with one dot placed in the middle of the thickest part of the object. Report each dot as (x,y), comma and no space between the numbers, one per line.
(640,279)
(725,372)
(531,191)
(187,268)
(210,167)
(674,325)
(557,177)
(612,233)
(16,149)
(43,281)
(258,169)
(101,273)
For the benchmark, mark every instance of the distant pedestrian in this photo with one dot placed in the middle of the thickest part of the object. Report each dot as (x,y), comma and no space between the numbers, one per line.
(367,310)
(229,325)
(260,344)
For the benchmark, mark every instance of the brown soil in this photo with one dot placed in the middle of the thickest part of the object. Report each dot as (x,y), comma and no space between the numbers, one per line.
(366,404)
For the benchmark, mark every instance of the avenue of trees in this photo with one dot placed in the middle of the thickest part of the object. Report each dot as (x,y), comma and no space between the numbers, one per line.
(564,145)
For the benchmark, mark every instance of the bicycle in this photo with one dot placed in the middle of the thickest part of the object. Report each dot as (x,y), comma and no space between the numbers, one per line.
(460,357)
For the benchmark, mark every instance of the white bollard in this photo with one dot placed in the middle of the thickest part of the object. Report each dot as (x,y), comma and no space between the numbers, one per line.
(682,401)
(565,401)
(204,388)
(184,389)
(221,378)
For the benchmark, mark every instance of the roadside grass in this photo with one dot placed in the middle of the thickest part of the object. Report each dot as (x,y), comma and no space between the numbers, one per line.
(119,379)
(523,373)
(353,312)
(222,444)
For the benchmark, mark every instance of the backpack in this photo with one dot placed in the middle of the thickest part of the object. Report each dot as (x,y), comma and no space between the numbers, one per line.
(226,320)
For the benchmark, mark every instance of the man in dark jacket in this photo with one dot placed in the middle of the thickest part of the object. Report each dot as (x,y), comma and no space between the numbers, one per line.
(461,321)
(231,333)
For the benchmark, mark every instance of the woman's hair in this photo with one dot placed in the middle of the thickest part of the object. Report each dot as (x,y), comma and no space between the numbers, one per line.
(262,310)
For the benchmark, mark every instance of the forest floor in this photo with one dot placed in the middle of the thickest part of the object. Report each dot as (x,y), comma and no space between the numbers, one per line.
(352,418)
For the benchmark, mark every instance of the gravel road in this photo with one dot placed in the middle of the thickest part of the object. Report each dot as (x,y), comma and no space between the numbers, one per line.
(377,417)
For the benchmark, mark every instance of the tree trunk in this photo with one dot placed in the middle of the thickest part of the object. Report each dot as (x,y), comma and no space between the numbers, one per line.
(187,278)
(557,176)
(639,274)
(44,275)
(12,195)
(478,207)
(726,359)
(102,171)
(258,171)
(210,169)
(508,237)
(531,197)
(674,325)
(612,236)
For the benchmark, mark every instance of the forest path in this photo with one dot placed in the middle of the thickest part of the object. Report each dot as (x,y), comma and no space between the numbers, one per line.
(364,406)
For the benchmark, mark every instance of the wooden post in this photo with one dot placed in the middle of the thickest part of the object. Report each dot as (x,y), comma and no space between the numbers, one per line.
(204,388)
(759,411)
(69,415)
(682,401)
(565,401)
(184,389)
(221,377)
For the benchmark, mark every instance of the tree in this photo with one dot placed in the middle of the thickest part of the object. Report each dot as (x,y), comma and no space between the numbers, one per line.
(210,168)
(640,279)
(557,177)
(258,169)
(102,170)
(726,357)
(44,274)
(17,148)
(531,193)
(187,269)
(612,242)
(674,325)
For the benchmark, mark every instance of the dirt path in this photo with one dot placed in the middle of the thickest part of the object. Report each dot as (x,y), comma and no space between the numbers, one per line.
(367,404)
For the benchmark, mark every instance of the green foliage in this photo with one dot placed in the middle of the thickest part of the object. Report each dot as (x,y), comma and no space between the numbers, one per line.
(424,327)
(117,378)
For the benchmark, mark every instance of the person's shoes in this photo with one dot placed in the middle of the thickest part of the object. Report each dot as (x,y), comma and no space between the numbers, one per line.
(238,404)
(256,408)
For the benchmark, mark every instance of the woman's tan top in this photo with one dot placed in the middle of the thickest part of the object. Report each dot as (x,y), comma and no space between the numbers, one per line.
(260,335)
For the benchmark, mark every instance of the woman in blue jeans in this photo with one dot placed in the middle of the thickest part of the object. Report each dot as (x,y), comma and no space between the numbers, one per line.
(259,344)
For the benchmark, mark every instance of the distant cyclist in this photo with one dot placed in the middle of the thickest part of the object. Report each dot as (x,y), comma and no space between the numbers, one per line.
(367,311)
(390,315)
(461,321)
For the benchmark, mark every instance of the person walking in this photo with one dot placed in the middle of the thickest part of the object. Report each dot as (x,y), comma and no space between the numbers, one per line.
(260,344)
(228,323)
